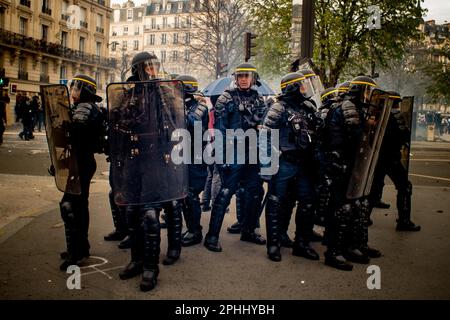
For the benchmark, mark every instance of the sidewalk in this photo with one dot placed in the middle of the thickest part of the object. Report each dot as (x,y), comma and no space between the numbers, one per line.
(414,266)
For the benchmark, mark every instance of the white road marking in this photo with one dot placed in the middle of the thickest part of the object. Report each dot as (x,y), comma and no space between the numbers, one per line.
(428,177)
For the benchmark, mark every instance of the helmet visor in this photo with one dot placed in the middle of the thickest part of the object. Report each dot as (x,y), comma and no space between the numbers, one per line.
(317,84)
(306,88)
(148,69)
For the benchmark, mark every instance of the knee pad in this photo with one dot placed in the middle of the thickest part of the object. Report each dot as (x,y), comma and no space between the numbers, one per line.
(223,196)
(67,213)
(344,212)
(151,219)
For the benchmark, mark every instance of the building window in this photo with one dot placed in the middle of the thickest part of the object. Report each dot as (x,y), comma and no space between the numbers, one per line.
(98,48)
(164,22)
(125,30)
(136,45)
(82,44)
(174,56)
(99,20)
(180,6)
(22,65)
(169,6)
(46,7)
(64,39)
(186,55)
(23,26)
(130,14)
(163,38)
(187,38)
(177,22)
(188,21)
(97,79)
(163,56)
(124,45)
(63,72)
(83,14)
(175,38)
(44,33)
(43,77)
(151,40)
(157,7)
(153,23)
(113,46)
(64,7)
(136,30)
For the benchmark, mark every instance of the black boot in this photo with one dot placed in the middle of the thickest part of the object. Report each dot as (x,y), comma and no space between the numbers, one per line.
(119,219)
(303,249)
(356,256)
(337,261)
(76,250)
(304,224)
(215,223)
(190,239)
(273,227)
(174,228)
(370,252)
(404,222)
(285,241)
(152,242)
(149,278)
(235,228)
(192,216)
(336,231)
(125,243)
(253,237)
(134,222)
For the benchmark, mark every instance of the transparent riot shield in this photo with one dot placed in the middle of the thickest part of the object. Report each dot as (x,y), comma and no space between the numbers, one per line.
(143,117)
(406,111)
(377,116)
(55,101)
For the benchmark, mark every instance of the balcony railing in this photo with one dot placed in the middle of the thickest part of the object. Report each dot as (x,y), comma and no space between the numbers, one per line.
(99,29)
(54,49)
(44,78)
(84,24)
(47,11)
(22,75)
(26,3)
(101,2)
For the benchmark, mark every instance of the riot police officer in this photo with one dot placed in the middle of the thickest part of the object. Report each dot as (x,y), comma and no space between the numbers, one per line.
(196,112)
(389,163)
(238,108)
(346,232)
(85,130)
(145,110)
(294,115)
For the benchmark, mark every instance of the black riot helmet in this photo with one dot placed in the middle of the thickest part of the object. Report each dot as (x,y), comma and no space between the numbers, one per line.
(361,87)
(314,79)
(190,83)
(295,83)
(145,66)
(394,95)
(83,89)
(246,70)
(328,94)
(342,88)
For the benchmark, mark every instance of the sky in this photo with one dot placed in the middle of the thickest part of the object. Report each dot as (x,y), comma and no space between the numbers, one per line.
(438,10)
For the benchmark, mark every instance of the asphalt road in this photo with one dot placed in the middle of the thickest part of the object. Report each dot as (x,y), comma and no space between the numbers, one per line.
(414,265)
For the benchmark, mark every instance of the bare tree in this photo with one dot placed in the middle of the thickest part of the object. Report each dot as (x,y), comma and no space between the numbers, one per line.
(218,36)
(125,65)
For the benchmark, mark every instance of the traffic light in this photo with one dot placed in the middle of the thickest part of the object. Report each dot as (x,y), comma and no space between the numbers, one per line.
(3,80)
(248,45)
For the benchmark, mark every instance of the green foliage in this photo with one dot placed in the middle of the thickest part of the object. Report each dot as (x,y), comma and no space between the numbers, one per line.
(271,21)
